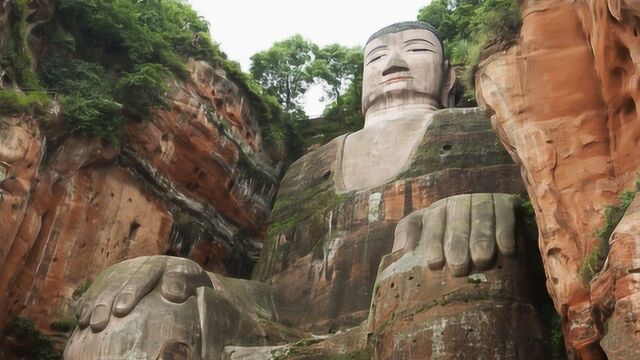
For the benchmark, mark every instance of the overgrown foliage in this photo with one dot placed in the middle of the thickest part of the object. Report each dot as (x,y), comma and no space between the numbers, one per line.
(64,325)
(37,346)
(340,69)
(108,61)
(290,67)
(467,27)
(14,58)
(16,102)
(283,70)
(594,262)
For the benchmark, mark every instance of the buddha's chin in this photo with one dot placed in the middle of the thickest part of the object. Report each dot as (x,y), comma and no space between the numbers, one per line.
(401,96)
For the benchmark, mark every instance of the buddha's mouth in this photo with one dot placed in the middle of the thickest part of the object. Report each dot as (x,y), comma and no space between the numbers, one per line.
(396,79)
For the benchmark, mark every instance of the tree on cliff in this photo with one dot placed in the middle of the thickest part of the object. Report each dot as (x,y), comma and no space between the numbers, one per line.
(336,67)
(283,70)
(339,70)
(290,67)
(467,27)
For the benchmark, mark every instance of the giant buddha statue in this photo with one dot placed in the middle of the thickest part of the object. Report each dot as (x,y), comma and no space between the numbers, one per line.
(405,231)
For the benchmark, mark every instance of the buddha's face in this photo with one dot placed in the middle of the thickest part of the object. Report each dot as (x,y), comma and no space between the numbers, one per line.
(404,67)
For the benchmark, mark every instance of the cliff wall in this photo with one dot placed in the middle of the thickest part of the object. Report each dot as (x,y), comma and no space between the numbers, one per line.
(564,103)
(195,180)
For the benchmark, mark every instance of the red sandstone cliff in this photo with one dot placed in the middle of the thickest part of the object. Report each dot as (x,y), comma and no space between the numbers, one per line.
(196,180)
(564,104)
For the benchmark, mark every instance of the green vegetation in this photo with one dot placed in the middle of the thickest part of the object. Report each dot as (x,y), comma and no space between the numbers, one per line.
(112,58)
(15,102)
(37,346)
(290,67)
(108,63)
(526,209)
(283,70)
(339,69)
(314,201)
(467,27)
(594,262)
(14,58)
(64,325)
(81,289)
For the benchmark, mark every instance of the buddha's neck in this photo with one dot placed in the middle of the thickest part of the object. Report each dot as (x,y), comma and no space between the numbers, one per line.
(375,117)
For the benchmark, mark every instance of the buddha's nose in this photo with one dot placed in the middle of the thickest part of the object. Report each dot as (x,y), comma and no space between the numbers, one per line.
(395,64)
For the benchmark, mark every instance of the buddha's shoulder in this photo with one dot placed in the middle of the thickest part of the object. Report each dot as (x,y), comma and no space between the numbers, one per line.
(458,120)
(457,138)
(314,167)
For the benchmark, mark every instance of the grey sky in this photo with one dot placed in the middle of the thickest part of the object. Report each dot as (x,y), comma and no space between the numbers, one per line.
(244,27)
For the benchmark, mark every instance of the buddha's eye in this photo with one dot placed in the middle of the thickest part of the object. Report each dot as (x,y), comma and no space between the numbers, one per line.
(375,59)
(419,50)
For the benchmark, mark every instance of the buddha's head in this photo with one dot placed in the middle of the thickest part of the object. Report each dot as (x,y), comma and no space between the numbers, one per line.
(404,66)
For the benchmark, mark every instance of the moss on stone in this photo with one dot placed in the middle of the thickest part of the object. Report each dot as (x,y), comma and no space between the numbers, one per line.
(287,212)
(16,102)
(594,262)
(14,58)
(31,343)
(65,325)
(81,289)
(309,207)
(457,138)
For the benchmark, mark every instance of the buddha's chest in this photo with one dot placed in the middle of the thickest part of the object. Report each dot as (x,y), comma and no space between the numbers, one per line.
(373,156)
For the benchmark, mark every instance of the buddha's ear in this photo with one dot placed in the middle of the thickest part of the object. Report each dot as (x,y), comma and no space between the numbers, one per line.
(447,97)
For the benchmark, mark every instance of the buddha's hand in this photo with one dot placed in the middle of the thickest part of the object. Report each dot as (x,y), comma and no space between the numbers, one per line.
(460,232)
(117,291)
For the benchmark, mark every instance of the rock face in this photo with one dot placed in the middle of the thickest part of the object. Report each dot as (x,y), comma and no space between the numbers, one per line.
(564,104)
(196,181)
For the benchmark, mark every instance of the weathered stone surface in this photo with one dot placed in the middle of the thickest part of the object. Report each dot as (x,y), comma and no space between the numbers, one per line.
(564,104)
(200,324)
(196,181)
(426,310)
(208,151)
(83,215)
(324,249)
(345,344)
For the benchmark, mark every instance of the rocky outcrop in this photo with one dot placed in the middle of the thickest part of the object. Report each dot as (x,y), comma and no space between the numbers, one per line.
(196,180)
(563,102)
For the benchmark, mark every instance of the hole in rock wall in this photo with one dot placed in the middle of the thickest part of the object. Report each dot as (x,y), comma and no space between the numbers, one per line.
(133,229)
(446,147)
(618,75)
(623,54)
(629,109)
